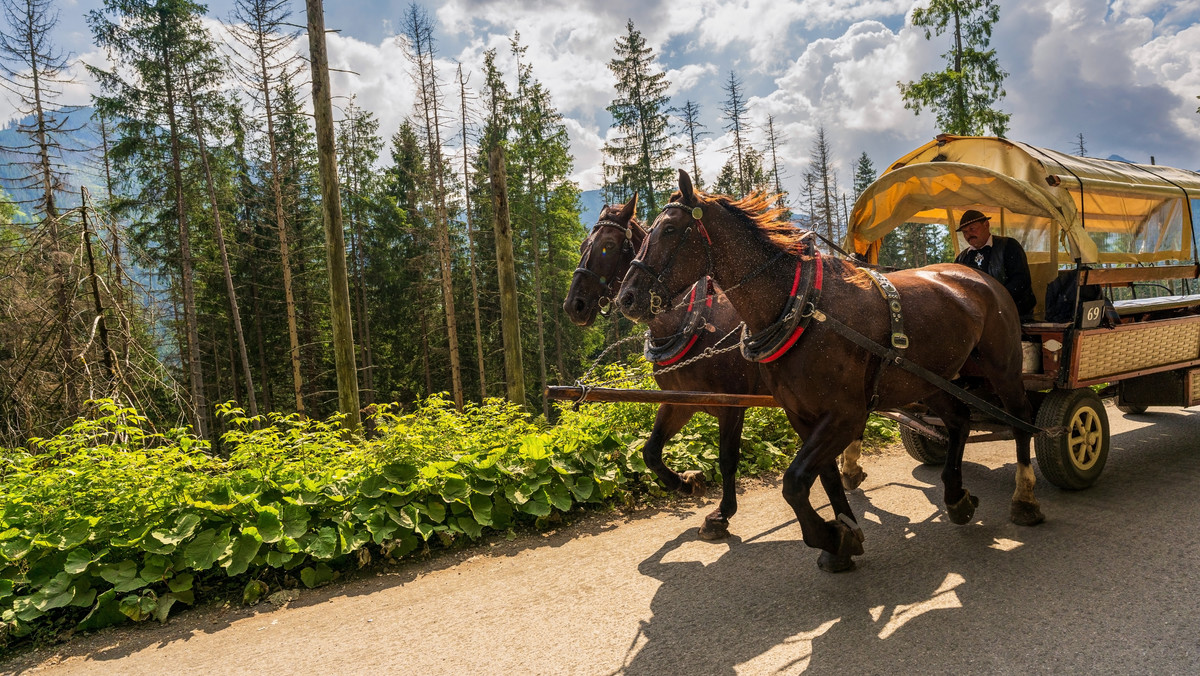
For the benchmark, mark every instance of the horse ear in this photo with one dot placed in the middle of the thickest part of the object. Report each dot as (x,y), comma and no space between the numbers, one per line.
(629,209)
(685,188)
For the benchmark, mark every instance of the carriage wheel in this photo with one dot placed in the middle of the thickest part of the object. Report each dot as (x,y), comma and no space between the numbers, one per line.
(1074,460)
(922,448)
(1131,409)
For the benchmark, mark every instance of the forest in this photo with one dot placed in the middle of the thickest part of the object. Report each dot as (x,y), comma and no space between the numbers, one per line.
(164,247)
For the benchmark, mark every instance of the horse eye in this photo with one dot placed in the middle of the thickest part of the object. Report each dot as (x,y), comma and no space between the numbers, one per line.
(604,251)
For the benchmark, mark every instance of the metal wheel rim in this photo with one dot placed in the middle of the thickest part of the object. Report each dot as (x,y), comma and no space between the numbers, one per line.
(1085,438)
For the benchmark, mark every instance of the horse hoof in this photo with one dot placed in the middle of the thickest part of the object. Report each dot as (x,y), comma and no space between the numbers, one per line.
(852,481)
(833,563)
(964,509)
(693,484)
(714,529)
(1026,514)
(849,538)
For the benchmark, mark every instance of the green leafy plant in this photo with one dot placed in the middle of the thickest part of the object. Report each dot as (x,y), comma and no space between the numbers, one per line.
(108,521)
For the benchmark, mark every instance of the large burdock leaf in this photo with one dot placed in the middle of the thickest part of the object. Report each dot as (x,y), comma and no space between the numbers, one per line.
(269,524)
(185,525)
(481,509)
(245,548)
(455,488)
(322,544)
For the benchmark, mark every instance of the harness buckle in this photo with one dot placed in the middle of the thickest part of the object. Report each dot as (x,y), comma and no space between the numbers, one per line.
(810,310)
(899,341)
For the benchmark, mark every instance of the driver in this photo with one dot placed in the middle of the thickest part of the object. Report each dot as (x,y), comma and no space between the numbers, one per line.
(1001,257)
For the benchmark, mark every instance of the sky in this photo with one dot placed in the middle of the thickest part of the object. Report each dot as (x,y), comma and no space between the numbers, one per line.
(1125,73)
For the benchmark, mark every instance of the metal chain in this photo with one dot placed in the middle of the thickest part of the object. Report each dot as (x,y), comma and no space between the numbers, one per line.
(707,352)
(600,358)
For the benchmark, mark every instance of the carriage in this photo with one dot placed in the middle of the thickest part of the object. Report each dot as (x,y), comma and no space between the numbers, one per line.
(1124,233)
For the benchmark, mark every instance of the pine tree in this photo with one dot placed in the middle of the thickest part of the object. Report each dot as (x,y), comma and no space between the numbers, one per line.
(470,231)
(359,147)
(689,115)
(545,211)
(965,93)
(418,30)
(152,41)
(757,175)
(735,111)
(824,179)
(775,141)
(641,153)
(496,128)
(266,65)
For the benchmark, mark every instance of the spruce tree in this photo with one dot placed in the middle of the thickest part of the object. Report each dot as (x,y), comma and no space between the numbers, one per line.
(642,151)
(864,174)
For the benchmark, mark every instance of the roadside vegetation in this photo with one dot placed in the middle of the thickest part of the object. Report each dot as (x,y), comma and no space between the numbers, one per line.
(111,520)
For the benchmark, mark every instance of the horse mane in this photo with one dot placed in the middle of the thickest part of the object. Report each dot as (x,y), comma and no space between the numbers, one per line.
(760,209)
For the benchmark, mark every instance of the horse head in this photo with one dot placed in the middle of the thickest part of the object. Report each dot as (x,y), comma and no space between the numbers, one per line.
(676,253)
(604,258)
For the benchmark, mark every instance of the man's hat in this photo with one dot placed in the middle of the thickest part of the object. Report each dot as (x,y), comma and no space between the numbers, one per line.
(972,216)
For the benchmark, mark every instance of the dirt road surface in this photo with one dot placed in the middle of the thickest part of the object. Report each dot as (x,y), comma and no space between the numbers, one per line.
(1109,584)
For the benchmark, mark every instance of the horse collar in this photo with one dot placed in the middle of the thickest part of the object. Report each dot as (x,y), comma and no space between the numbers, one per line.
(775,340)
(667,351)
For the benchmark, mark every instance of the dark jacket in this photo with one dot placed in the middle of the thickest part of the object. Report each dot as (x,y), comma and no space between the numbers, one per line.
(1004,260)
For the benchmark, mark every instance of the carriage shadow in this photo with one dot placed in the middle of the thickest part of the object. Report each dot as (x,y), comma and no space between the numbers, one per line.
(960,598)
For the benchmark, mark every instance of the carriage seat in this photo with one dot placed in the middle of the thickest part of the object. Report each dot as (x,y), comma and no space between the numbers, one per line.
(1137,306)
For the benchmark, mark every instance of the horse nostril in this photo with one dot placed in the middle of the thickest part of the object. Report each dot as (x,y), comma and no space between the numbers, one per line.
(627,300)
(579,306)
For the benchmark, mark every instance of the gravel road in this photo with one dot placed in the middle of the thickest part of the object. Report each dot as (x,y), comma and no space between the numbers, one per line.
(1109,584)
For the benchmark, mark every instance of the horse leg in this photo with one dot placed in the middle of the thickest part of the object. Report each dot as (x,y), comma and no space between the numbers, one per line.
(838,539)
(1025,510)
(852,473)
(667,423)
(960,504)
(716,524)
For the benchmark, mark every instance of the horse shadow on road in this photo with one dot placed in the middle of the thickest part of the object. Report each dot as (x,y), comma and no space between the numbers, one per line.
(1096,587)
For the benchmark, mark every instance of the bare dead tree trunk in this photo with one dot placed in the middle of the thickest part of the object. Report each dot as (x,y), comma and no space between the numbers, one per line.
(462,85)
(284,249)
(421,34)
(196,376)
(535,250)
(109,358)
(260,26)
(219,231)
(331,207)
(510,319)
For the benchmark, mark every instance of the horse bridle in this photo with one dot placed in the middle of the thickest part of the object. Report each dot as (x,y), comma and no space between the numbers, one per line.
(658,304)
(609,285)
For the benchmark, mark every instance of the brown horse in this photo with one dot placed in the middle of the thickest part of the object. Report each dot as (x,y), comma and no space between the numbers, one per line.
(827,384)
(604,259)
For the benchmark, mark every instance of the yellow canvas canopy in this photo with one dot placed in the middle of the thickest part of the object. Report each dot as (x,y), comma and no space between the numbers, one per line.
(1098,211)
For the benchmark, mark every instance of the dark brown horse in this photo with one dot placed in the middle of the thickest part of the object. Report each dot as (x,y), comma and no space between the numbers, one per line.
(826,383)
(604,259)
